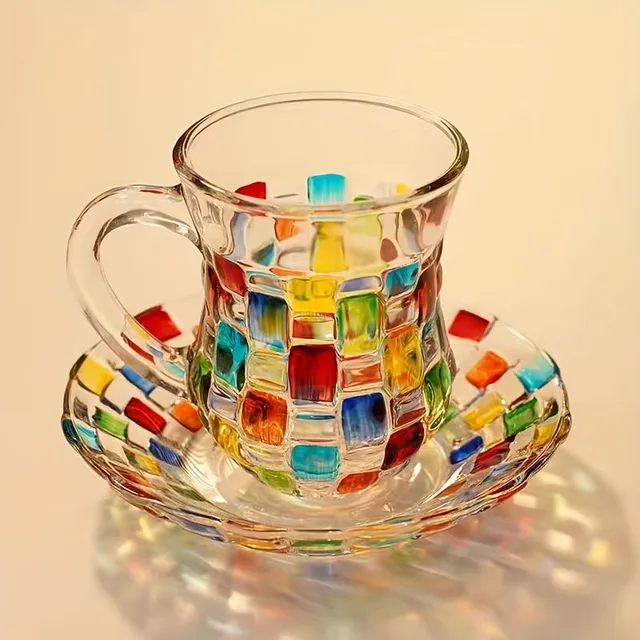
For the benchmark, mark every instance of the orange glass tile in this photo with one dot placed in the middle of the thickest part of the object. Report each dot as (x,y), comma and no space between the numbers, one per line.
(187,415)
(264,417)
(358,481)
(358,373)
(487,370)
(285,228)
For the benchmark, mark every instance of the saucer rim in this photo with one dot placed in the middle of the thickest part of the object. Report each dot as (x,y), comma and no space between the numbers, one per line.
(400,528)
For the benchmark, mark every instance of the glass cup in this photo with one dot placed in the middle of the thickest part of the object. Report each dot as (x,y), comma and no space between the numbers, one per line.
(321,363)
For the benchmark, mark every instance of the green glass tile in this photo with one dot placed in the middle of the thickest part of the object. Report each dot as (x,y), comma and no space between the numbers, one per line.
(187,492)
(359,324)
(110,424)
(521,417)
(452,412)
(277,479)
(437,391)
(323,547)
(202,370)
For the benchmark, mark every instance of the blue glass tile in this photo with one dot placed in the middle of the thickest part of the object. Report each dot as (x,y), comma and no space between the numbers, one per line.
(401,279)
(364,420)
(502,470)
(230,356)
(202,529)
(268,320)
(137,380)
(536,373)
(327,188)
(314,462)
(366,283)
(89,437)
(156,353)
(161,452)
(221,403)
(466,450)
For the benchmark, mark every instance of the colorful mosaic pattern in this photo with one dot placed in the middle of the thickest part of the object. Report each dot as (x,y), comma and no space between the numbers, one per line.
(308,352)
(145,440)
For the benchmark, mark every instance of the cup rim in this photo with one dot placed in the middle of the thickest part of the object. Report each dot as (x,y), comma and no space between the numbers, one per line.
(413,197)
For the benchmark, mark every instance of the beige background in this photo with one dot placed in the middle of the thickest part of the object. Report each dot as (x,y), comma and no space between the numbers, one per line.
(545,232)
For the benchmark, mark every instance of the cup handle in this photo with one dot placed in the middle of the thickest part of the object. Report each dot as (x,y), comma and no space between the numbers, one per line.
(130,341)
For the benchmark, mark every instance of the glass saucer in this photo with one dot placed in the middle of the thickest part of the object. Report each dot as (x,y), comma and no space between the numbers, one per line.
(150,445)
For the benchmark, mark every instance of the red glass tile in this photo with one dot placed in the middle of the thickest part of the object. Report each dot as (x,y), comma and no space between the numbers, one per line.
(137,349)
(469,325)
(187,415)
(487,370)
(313,373)
(264,417)
(491,457)
(358,481)
(388,251)
(212,289)
(231,274)
(254,190)
(145,416)
(402,445)
(158,323)
(426,293)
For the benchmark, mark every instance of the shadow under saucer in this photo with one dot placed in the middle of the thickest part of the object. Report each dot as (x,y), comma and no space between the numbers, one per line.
(549,563)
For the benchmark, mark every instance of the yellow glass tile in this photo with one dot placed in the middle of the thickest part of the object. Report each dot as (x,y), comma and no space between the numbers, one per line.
(484,412)
(402,360)
(146,463)
(133,328)
(544,433)
(363,235)
(267,371)
(312,295)
(94,375)
(327,254)
(226,436)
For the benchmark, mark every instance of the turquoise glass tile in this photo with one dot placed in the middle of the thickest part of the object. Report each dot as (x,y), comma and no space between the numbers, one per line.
(267,319)
(70,432)
(401,279)
(88,436)
(173,368)
(364,420)
(230,356)
(327,188)
(536,373)
(314,462)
